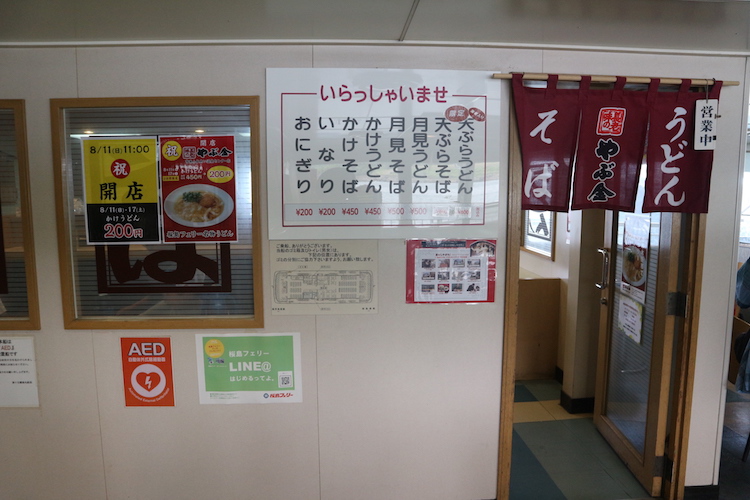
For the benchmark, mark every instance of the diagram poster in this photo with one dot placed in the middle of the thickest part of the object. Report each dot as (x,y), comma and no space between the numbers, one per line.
(324,276)
(147,371)
(18,383)
(261,368)
(440,271)
(362,153)
(198,188)
(121,190)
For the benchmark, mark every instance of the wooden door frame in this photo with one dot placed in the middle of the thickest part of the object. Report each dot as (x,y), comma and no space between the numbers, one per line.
(510,323)
(679,425)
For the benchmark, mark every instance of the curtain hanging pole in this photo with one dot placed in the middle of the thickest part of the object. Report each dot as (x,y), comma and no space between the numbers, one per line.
(697,82)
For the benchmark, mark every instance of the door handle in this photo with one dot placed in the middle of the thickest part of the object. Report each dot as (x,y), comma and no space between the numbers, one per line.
(605,268)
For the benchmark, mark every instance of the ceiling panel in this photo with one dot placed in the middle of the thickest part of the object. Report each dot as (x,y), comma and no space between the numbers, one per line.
(658,24)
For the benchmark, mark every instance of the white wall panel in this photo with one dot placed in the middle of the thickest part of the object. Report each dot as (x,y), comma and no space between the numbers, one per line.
(401,404)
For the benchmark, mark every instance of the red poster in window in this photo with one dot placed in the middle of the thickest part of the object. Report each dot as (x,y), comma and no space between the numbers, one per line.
(147,371)
(610,147)
(198,188)
(678,176)
(548,128)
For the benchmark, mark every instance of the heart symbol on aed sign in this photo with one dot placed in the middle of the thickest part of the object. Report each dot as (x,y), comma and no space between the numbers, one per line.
(148,380)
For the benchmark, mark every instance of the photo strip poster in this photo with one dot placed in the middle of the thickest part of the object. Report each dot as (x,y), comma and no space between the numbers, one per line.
(447,271)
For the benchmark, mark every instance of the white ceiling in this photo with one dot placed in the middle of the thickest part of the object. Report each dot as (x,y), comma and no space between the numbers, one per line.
(653,24)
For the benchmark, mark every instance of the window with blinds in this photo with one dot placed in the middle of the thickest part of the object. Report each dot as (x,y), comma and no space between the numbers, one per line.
(19,309)
(203,283)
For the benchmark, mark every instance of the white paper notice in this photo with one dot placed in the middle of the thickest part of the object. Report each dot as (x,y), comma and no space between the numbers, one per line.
(324,276)
(18,384)
(630,318)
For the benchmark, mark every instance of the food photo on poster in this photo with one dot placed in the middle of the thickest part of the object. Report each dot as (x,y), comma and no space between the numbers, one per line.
(198,188)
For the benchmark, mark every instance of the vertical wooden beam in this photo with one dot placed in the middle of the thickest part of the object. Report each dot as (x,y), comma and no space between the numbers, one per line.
(513,250)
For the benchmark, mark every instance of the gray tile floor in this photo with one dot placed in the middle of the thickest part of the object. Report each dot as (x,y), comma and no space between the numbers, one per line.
(567,459)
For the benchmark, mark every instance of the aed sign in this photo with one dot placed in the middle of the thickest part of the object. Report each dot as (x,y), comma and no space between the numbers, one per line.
(147,371)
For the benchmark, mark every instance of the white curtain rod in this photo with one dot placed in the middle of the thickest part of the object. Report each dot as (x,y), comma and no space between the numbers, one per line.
(696,82)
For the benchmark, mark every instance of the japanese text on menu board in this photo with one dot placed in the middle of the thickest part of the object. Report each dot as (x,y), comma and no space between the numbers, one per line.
(124,204)
(371,154)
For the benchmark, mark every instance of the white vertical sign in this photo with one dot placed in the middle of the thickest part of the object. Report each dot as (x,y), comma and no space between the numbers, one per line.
(18,384)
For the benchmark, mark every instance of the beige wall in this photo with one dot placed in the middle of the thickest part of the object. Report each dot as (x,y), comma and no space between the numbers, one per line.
(404,404)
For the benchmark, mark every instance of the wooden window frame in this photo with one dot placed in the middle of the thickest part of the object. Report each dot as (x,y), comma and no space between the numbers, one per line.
(526,244)
(65,231)
(32,322)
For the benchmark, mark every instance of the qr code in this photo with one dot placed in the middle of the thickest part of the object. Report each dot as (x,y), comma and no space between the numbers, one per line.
(286,379)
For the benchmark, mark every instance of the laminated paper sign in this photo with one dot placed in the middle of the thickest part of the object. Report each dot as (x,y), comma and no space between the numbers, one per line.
(446,271)
(261,368)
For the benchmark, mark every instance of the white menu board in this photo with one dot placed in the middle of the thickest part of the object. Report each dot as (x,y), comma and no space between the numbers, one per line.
(382,153)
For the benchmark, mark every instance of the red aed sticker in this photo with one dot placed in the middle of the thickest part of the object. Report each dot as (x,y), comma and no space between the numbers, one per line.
(611,121)
(147,371)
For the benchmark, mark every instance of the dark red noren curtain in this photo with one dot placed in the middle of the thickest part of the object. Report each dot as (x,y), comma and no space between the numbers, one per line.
(611,144)
(548,128)
(678,176)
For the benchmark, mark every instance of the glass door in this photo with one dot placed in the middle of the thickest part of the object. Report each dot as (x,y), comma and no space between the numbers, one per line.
(640,283)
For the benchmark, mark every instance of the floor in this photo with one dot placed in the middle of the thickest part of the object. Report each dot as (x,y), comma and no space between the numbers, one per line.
(559,456)
(734,474)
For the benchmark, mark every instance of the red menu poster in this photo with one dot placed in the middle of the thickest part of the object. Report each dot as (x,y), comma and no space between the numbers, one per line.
(198,188)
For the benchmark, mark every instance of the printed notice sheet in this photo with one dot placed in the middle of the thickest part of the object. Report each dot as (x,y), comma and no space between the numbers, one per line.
(18,384)
(324,276)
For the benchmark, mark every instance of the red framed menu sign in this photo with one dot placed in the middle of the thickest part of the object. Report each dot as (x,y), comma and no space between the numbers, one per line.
(198,188)
(455,270)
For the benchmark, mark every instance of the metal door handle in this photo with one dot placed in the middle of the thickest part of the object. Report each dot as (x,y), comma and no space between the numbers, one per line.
(605,268)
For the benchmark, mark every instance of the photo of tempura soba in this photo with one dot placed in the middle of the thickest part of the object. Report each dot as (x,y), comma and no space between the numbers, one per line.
(634,266)
(198,205)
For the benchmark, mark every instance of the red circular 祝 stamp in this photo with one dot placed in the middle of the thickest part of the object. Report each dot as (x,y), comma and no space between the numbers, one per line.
(120,168)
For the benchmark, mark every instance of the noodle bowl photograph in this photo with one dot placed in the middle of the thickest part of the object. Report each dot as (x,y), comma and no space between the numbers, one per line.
(198,205)
(634,266)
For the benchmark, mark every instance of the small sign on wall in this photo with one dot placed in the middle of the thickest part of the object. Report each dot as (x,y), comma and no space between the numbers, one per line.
(18,385)
(147,371)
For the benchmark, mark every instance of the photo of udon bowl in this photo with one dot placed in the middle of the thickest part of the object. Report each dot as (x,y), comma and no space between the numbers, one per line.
(634,265)
(198,205)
